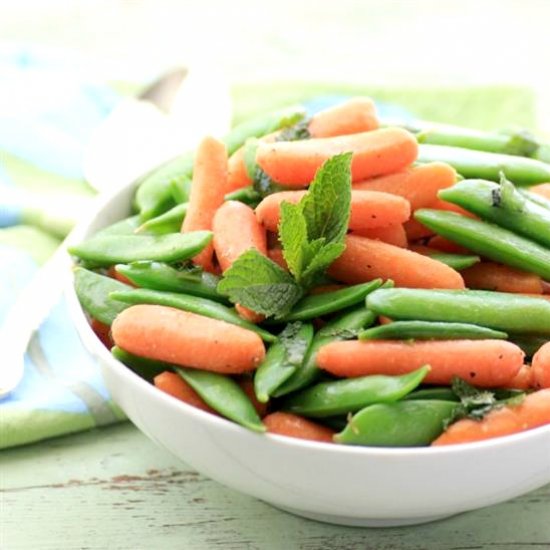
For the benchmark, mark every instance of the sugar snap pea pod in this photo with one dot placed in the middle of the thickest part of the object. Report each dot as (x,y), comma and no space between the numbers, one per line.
(517,143)
(146,368)
(427,330)
(322,304)
(538,199)
(488,166)
(439,394)
(160,276)
(511,313)
(504,205)
(352,394)
(194,304)
(127,226)
(248,195)
(169,222)
(456,261)
(123,249)
(279,363)
(154,193)
(402,424)
(489,240)
(180,189)
(93,292)
(224,395)
(343,326)
(530,344)
(262,125)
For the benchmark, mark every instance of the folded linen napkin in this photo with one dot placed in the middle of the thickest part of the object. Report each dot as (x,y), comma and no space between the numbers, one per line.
(42,139)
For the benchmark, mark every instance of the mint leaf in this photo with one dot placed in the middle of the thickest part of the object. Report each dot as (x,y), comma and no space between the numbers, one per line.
(326,207)
(260,284)
(293,233)
(295,132)
(321,261)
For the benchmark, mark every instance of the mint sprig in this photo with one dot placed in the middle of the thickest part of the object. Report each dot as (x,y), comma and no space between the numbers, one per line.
(312,236)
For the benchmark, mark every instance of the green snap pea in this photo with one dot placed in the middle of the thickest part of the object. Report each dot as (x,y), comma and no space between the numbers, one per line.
(123,249)
(169,222)
(402,424)
(511,313)
(193,304)
(456,261)
(530,344)
(181,189)
(93,292)
(145,368)
(160,276)
(517,143)
(322,304)
(478,164)
(248,195)
(489,240)
(439,394)
(224,395)
(345,325)
(353,394)
(504,205)
(154,194)
(127,226)
(426,330)
(278,366)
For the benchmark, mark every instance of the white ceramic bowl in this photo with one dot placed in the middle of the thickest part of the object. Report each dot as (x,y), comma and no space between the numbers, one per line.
(332,483)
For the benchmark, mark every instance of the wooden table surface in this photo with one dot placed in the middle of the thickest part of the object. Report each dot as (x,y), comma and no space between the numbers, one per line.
(114,489)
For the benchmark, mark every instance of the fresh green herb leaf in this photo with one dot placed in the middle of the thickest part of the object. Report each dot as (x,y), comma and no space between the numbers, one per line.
(293,233)
(295,345)
(249,156)
(260,284)
(296,132)
(474,403)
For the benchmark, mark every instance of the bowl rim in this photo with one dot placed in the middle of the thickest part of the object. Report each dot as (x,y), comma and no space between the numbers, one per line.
(81,323)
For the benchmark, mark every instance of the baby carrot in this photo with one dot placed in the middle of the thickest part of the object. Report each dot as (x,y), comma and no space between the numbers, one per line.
(445,245)
(523,380)
(542,189)
(276,254)
(501,278)
(369,209)
(375,153)
(392,234)
(541,367)
(352,117)
(532,412)
(237,174)
(292,425)
(236,230)
(183,338)
(485,363)
(418,184)
(365,260)
(207,193)
(416,231)
(174,385)
(103,332)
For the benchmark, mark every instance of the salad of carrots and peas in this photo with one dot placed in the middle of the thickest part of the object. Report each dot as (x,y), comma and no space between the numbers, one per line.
(332,279)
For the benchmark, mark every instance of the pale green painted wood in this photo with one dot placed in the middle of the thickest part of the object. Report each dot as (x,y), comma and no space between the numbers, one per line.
(114,489)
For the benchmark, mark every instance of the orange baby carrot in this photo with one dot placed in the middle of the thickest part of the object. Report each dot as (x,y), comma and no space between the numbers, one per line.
(541,367)
(542,189)
(501,278)
(523,380)
(176,386)
(439,204)
(375,153)
(445,245)
(236,230)
(207,193)
(418,184)
(114,274)
(532,412)
(369,209)
(276,254)
(292,425)
(103,332)
(186,339)
(392,234)
(352,117)
(364,260)
(237,174)
(485,363)
(415,230)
